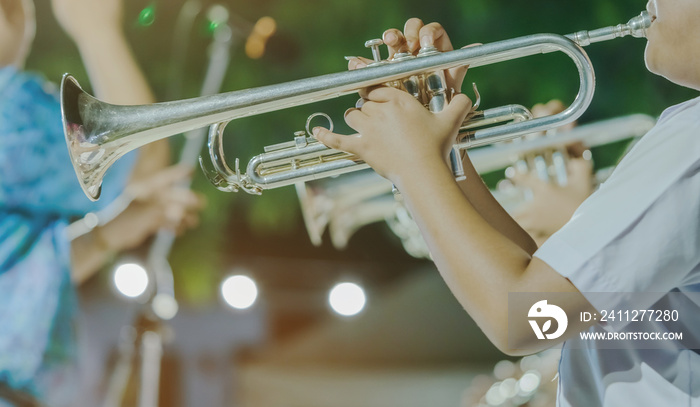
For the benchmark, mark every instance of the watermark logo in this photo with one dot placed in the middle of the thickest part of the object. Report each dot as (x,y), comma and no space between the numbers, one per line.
(629,321)
(543,310)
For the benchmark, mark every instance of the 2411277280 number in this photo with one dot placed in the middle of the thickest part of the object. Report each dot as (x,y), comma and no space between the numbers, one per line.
(639,315)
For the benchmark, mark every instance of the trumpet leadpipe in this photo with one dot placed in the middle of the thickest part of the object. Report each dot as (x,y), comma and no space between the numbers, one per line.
(635,27)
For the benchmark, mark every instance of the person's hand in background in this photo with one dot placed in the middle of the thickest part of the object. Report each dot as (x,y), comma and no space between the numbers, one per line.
(158,201)
(552,205)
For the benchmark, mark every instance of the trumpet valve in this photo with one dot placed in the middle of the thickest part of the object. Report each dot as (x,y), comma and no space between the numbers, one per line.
(300,140)
(374,44)
(402,56)
(428,51)
(436,91)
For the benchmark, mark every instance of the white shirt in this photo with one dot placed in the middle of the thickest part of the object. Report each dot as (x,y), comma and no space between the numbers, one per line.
(639,233)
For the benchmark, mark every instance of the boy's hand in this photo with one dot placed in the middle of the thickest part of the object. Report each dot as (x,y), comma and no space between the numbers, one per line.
(552,205)
(397,134)
(414,36)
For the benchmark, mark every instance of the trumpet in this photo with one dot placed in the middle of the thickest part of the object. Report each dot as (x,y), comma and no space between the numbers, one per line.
(345,204)
(98,133)
(322,200)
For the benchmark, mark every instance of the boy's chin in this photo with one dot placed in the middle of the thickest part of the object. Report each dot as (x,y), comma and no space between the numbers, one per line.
(651,62)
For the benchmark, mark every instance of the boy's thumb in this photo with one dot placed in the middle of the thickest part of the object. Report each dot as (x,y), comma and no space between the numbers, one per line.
(458,108)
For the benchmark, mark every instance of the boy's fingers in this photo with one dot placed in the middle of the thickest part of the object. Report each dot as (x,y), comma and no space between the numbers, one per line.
(364,93)
(369,107)
(528,180)
(355,118)
(384,94)
(336,141)
(459,107)
(576,149)
(580,171)
(411,31)
(554,106)
(357,62)
(395,41)
(434,34)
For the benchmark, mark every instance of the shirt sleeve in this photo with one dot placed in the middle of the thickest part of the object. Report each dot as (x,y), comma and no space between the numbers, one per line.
(654,255)
(639,233)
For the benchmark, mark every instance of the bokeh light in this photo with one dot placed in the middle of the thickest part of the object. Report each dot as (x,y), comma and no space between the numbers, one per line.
(239,291)
(147,16)
(265,26)
(216,16)
(347,299)
(165,306)
(255,45)
(131,279)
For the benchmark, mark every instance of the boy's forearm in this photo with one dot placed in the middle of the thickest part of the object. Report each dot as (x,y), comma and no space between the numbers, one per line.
(479,264)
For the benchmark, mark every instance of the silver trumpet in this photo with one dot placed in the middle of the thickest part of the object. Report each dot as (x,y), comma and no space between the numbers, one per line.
(321,201)
(98,133)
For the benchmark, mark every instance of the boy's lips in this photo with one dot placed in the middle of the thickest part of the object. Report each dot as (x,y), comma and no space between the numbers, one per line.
(651,10)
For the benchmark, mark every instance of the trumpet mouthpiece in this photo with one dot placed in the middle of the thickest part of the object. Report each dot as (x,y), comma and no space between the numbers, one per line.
(638,25)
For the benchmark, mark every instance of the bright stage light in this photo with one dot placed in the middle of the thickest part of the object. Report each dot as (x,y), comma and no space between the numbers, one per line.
(347,299)
(239,292)
(131,280)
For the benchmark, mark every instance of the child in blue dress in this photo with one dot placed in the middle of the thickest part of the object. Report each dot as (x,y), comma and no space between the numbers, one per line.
(39,195)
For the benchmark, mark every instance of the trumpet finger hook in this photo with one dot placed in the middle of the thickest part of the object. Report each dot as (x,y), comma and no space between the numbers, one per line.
(308,122)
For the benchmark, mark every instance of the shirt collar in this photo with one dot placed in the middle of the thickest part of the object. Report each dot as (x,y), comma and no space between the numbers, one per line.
(678,108)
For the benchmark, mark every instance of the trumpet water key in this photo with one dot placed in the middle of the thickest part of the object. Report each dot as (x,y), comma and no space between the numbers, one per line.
(98,133)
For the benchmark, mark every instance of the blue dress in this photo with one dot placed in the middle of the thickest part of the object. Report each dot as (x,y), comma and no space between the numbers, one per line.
(39,195)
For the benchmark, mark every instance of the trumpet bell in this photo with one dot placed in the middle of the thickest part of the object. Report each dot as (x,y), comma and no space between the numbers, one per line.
(84,155)
(345,223)
(326,200)
(91,150)
(315,208)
